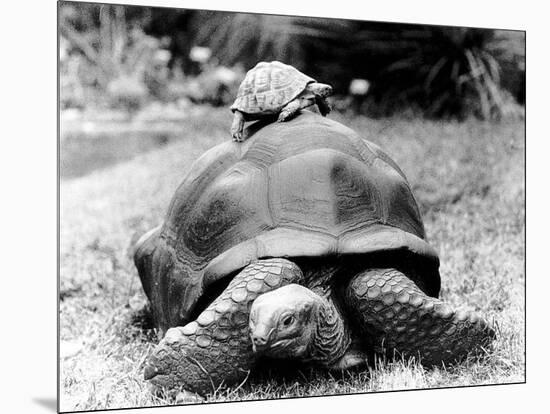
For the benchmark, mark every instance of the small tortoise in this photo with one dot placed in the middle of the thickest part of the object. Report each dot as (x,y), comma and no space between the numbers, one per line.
(304,242)
(273,88)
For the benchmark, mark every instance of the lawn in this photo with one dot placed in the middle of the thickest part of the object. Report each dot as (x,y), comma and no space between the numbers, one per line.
(467,177)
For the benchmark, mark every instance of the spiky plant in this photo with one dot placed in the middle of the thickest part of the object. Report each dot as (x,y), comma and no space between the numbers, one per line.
(443,70)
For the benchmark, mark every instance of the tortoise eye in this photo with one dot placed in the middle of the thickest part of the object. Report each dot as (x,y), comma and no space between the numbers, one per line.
(288,320)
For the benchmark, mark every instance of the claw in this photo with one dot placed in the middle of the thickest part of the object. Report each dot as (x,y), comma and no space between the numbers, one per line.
(150,372)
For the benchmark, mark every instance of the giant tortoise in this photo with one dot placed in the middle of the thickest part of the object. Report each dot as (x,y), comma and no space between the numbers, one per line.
(304,242)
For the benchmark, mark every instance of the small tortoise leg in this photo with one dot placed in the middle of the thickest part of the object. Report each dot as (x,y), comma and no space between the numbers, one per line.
(237,127)
(291,108)
(215,349)
(398,316)
(323,105)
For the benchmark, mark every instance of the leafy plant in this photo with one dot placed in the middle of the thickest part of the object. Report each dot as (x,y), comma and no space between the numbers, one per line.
(119,55)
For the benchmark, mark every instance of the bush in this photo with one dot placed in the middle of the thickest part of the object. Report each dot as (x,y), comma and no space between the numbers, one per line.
(107,54)
(443,70)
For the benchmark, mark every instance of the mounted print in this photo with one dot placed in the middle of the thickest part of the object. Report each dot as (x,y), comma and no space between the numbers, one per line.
(255,207)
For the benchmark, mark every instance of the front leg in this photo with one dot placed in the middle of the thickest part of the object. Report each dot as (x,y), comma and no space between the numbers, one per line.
(397,316)
(323,105)
(215,349)
(291,108)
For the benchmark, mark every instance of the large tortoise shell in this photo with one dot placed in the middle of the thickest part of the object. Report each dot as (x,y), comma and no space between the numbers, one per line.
(268,87)
(307,188)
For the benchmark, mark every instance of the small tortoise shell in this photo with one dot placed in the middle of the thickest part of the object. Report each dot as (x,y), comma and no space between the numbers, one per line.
(268,87)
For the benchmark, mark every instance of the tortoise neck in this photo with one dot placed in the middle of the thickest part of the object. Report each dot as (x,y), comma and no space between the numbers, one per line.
(331,337)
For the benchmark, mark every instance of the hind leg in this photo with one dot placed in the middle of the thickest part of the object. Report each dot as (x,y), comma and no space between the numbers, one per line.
(237,127)
(398,316)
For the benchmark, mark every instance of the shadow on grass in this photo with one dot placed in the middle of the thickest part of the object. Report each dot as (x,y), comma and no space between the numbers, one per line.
(142,319)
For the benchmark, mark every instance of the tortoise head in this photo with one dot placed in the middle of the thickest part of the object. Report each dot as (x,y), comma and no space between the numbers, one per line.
(320,90)
(283,322)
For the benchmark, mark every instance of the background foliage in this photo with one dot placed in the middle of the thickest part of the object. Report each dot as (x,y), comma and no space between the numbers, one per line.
(125,56)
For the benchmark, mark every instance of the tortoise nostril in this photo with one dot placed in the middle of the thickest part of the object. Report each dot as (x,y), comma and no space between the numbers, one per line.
(259,340)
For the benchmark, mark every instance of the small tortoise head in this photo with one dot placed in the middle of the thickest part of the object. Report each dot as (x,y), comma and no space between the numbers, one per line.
(283,321)
(321,90)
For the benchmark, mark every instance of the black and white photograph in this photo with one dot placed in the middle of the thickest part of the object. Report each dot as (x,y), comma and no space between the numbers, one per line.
(258,207)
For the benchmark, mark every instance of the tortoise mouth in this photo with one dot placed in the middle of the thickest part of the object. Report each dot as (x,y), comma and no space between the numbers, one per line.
(260,348)
(277,349)
(327,91)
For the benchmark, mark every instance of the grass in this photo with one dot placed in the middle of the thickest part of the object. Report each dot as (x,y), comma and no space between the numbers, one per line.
(467,177)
